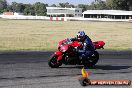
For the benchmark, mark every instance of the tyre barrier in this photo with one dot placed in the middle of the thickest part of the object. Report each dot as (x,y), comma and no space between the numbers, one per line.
(57,19)
(130,21)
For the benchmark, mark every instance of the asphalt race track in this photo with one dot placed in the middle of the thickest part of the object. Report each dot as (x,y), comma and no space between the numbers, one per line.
(30,70)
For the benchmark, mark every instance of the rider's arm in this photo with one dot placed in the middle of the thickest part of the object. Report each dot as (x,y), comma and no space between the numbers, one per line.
(83,49)
(74,39)
(87,45)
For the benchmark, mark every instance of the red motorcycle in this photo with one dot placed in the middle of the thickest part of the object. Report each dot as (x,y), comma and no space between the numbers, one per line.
(67,54)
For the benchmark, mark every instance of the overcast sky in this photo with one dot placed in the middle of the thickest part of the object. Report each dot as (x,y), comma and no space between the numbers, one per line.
(50,2)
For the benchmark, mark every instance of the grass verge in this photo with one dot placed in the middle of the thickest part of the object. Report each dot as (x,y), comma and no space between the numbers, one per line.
(38,35)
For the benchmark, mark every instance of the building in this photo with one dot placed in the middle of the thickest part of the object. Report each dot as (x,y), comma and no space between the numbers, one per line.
(8,13)
(65,12)
(12,13)
(111,14)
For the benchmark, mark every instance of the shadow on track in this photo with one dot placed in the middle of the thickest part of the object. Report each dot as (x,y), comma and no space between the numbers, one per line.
(70,67)
(101,67)
(111,67)
(43,56)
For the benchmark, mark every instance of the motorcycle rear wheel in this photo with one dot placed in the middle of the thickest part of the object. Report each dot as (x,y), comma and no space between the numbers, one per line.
(92,60)
(53,63)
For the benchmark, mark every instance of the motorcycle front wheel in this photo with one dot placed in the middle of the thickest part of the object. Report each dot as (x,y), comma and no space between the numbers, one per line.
(53,63)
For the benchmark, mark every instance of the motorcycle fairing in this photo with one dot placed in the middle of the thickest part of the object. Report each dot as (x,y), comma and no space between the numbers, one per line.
(59,54)
(98,44)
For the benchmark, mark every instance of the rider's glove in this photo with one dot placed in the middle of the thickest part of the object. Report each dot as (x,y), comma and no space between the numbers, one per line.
(75,49)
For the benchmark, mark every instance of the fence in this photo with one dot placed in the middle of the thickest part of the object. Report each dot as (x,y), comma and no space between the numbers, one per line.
(22,17)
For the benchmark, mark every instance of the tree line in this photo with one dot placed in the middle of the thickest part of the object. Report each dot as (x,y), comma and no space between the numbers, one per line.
(39,8)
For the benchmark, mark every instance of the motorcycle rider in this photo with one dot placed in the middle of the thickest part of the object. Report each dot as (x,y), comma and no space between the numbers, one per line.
(87,45)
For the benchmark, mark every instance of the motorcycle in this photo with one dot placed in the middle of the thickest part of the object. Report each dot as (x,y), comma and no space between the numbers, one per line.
(67,54)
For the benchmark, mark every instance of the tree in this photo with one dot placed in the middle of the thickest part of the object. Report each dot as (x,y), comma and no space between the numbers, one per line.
(16,7)
(40,9)
(98,5)
(93,6)
(13,6)
(129,3)
(29,10)
(83,6)
(109,4)
(20,7)
(62,5)
(101,5)
(3,5)
(66,5)
(130,8)
(53,5)
(119,4)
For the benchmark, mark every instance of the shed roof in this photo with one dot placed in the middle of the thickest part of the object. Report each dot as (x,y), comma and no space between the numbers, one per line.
(63,8)
(109,12)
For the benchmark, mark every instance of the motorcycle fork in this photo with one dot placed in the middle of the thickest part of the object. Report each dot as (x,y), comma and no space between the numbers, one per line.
(59,58)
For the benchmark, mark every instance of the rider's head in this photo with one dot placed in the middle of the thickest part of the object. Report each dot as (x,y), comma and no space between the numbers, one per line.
(81,36)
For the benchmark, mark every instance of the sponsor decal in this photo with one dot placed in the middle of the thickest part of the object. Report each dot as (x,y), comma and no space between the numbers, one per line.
(84,80)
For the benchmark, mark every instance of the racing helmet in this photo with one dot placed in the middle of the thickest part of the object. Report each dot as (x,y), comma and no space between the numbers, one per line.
(81,36)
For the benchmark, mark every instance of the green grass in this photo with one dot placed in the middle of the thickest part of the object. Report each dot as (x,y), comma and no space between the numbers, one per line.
(37,35)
